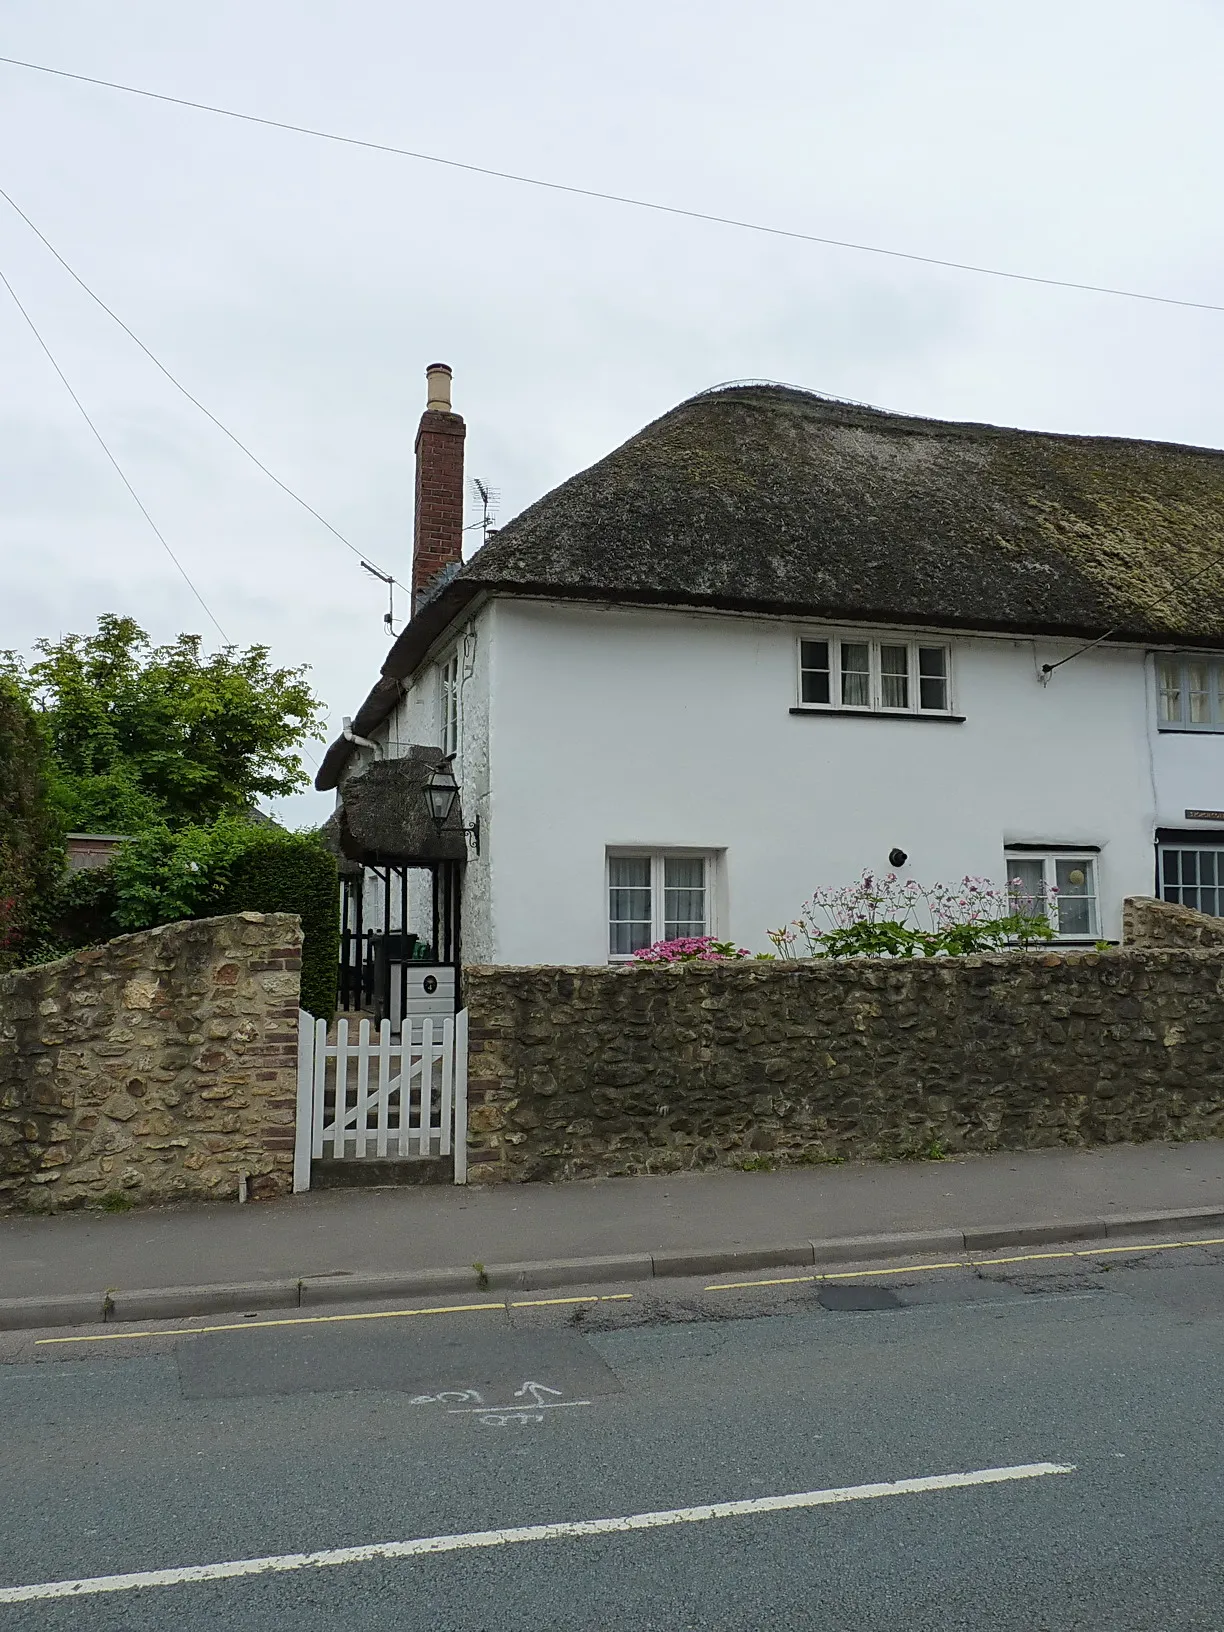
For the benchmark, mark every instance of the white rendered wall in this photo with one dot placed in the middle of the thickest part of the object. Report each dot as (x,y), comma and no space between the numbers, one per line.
(417,719)
(611,727)
(1188,771)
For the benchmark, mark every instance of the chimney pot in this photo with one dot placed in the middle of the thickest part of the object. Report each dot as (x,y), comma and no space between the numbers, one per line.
(438,397)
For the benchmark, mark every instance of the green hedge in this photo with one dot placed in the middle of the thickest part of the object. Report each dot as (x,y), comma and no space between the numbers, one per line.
(292,872)
(31,843)
(232,865)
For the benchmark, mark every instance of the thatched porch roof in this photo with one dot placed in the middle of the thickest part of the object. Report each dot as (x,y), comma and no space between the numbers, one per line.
(384,815)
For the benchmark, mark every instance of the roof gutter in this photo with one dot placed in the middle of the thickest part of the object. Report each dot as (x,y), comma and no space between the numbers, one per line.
(436,616)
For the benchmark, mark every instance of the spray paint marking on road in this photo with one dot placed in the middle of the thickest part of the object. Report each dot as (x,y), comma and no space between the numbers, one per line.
(530,1408)
(285,1563)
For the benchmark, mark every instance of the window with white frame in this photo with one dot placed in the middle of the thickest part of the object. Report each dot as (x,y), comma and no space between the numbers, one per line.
(875,676)
(448,700)
(1190,693)
(1193,876)
(1059,884)
(657,896)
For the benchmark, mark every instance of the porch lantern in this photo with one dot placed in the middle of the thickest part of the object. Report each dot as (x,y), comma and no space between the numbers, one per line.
(441,791)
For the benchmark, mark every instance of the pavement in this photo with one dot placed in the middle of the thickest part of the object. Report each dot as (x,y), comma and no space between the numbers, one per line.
(1031,1445)
(346,1245)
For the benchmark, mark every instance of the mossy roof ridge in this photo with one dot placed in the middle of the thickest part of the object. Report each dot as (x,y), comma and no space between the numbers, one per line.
(771,498)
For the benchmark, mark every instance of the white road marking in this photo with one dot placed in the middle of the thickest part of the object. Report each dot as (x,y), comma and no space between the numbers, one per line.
(284,1563)
(540,1405)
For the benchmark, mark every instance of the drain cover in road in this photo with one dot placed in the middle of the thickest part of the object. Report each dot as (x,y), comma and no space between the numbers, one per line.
(845,1299)
(390,1356)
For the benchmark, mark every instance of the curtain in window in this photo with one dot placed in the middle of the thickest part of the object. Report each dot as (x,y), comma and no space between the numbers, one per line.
(1026,886)
(894,676)
(1170,693)
(629,908)
(1199,676)
(855,674)
(684,904)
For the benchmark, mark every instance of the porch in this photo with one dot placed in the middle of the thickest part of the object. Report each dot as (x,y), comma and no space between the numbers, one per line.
(401,893)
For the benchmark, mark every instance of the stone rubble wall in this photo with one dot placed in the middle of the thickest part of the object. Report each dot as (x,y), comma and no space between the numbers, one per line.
(578,1072)
(1148,922)
(159,1067)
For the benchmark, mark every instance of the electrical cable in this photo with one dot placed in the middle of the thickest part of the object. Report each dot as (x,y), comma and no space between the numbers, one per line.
(1047,669)
(161,538)
(618,198)
(178,384)
(106,450)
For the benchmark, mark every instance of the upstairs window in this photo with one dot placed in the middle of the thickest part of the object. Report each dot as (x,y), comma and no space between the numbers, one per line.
(874,676)
(656,897)
(448,700)
(1061,885)
(1190,693)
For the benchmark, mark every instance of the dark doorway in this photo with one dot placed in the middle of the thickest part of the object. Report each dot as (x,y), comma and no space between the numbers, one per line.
(399,938)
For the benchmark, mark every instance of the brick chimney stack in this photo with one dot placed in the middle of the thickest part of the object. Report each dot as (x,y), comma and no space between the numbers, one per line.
(437,534)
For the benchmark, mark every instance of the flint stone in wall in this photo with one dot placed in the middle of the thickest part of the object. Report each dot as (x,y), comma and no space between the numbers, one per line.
(162,1057)
(803,1063)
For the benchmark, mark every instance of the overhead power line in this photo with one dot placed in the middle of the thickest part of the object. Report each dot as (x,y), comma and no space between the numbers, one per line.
(118,467)
(179,386)
(620,198)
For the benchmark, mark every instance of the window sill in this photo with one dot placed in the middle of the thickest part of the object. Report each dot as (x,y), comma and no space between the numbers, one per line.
(1190,730)
(879,714)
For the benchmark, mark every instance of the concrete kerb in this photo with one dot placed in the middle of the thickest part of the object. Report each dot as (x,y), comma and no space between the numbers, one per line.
(315,1291)
(31,1314)
(180,1302)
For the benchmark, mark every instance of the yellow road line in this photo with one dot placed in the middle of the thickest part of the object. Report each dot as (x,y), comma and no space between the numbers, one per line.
(838,1275)
(257,1325)
(965,1263)
(263,1325)
(1099,1252)
(623,1297)
(1156,1246)
(542,1303)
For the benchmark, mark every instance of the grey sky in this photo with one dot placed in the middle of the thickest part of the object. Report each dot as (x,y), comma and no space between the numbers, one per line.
(299,288)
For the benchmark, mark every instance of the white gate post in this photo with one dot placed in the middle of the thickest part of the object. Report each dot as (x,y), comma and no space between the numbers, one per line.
(303,1129)
(461,1085)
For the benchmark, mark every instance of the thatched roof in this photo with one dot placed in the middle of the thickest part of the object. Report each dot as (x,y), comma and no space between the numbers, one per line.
(770,499)
(384,816)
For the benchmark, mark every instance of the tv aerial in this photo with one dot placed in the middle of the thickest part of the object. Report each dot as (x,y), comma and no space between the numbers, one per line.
(386,578)
(488,498)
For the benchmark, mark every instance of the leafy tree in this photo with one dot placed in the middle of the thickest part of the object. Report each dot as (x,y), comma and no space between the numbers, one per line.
(144,737)
(31,840)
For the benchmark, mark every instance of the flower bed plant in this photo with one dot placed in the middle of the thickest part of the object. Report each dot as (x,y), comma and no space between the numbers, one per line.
(883,916)
(692,949)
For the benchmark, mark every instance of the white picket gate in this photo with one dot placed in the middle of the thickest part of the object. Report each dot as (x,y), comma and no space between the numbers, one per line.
(380,1098)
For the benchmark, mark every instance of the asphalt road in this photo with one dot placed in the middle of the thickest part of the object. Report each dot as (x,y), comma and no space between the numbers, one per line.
(223,1446)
